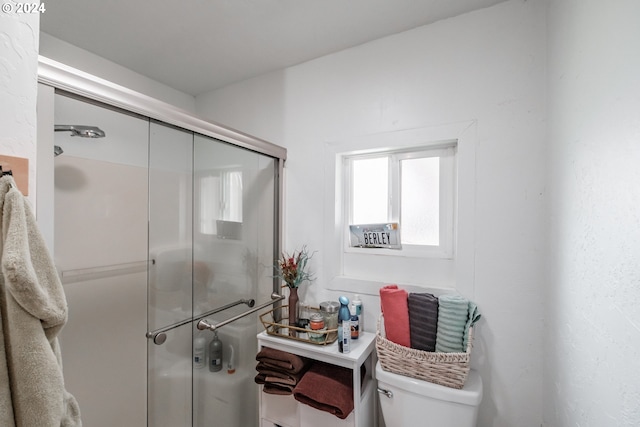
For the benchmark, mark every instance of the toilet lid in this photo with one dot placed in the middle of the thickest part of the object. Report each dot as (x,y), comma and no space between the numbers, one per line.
(471,393)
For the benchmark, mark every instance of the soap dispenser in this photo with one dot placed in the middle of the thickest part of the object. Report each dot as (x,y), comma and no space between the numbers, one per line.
(215,353)
(199,353)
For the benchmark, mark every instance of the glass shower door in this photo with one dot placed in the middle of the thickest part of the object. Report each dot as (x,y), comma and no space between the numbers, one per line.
(211,248)
(233,236)
(170,276)
(156,226)
(100,250)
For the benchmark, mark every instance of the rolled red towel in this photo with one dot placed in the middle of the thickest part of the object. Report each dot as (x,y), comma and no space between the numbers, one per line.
(395,308)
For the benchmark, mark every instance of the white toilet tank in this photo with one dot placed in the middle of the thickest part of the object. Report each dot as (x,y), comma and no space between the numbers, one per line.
(406,401)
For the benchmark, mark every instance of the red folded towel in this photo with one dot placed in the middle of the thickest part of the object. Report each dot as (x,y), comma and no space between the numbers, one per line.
(267,374)
(327,388)
(394,305)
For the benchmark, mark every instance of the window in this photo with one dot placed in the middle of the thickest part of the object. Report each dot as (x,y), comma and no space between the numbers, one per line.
(415,188)
(405,153)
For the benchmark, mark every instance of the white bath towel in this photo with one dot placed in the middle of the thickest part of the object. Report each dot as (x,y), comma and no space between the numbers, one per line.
(33,310)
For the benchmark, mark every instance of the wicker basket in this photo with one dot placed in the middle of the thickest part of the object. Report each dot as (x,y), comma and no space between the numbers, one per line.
(447,369)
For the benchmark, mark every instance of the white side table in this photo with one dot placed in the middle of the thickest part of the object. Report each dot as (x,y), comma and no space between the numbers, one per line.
(286,411)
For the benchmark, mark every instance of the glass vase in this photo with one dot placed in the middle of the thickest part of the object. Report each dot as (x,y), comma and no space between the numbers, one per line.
(293,309)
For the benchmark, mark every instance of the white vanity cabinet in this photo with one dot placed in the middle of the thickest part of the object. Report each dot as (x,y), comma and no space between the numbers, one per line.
(285,411)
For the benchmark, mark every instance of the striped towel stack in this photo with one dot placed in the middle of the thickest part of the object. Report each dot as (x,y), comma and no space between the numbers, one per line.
(453,314)
(425,322)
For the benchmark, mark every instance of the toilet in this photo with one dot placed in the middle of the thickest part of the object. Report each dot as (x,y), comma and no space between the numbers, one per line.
(405,401)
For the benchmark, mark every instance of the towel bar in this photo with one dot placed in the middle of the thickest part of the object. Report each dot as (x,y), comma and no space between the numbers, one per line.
(203,324)
(159,336)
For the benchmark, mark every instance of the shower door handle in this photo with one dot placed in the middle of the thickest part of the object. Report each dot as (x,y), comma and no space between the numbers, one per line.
(203,324)
(159,336)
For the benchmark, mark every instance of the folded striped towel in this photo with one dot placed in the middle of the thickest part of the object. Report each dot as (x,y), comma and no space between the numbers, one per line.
(394,306)
(456,315)
(453,313)
(423,320)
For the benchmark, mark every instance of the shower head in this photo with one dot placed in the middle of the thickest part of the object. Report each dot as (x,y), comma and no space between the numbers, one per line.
(79,130)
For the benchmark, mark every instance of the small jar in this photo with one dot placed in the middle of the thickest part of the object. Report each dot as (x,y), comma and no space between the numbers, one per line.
(329,310)
(316,321)
(316,324)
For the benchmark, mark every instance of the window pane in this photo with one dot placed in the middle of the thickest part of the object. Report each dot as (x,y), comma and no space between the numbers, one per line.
(209,203)
(370,190)
(420,201)
(232,196)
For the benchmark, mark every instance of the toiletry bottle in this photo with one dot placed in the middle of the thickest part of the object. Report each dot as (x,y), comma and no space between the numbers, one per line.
(344,325)
(215,353)
(359,312)
(199,352)
(303,319)
(231,365)
(355,329)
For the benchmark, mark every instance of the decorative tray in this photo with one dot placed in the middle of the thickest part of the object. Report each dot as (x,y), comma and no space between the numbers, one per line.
(282,329)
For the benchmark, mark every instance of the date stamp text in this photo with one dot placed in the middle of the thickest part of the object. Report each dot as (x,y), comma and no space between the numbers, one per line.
(21,8)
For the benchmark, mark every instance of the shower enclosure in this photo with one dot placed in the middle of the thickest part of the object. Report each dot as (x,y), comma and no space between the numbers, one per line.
(155,226)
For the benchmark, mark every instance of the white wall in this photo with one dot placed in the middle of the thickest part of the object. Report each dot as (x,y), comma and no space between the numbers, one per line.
(75,57)
(487,66)
(593,323)
(18,88)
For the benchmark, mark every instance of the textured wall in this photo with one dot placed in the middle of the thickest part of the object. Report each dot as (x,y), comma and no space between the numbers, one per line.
(488,66)
(593,324)
(18,87)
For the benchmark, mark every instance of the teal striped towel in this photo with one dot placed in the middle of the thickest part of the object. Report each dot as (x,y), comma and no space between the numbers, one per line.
(456,315)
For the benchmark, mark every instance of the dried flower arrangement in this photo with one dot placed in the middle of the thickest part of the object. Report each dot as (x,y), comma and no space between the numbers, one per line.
(292,269)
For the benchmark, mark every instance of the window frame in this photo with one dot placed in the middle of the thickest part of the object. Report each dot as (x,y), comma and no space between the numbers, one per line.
(365,274)
(447,152)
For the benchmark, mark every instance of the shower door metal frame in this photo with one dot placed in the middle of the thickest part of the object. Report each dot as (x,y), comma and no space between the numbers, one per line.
(63,77)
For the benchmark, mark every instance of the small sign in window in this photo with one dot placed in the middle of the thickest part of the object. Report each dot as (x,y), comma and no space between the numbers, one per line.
(375,236)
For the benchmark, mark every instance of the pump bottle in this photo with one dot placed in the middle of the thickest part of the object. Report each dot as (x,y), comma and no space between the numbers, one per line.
(359,312)
(199,353)
(355,327)
(215,353)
